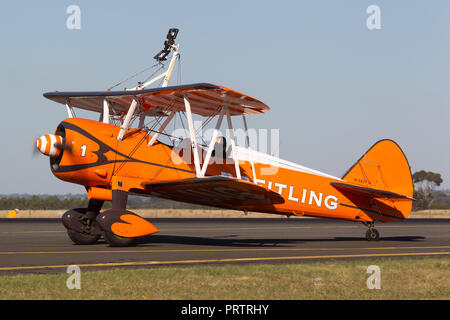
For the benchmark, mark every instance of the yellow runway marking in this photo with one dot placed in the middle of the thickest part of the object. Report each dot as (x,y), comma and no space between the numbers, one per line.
(216,250)
(146,263)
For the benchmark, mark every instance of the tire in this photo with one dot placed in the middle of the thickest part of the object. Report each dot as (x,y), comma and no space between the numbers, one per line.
(372,235)
(82,238)
(116,241)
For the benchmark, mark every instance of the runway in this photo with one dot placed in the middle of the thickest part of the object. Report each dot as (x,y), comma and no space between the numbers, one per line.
(42,245)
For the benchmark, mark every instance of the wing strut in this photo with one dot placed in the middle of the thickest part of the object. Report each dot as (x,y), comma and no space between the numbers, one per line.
(192,135)
(247,138)
(126,122)
(233,145)
(212,142)
(105,111)
(161,129)
(70,110)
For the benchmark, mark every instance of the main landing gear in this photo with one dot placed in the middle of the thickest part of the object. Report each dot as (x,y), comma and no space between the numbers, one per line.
(372,234)
(118,226)
(107,218)
(81,224)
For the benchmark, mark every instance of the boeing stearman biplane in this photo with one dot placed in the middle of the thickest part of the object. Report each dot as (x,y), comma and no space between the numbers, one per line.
(113,159)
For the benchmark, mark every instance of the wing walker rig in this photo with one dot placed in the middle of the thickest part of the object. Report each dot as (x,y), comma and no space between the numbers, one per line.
(113,158)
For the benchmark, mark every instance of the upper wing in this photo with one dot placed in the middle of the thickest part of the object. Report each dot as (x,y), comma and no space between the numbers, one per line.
(214,191)
(205,99)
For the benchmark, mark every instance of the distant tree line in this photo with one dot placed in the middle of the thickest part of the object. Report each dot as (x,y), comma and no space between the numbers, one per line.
(56,203)
(425,193)
(441,200)
(38,203)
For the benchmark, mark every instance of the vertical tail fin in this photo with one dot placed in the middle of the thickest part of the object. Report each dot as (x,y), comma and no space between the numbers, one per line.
(384,167)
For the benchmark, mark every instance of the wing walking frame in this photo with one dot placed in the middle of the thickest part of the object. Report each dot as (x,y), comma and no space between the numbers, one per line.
(167,74)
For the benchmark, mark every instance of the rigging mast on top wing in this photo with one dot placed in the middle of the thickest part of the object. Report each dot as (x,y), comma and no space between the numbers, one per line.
(169,46)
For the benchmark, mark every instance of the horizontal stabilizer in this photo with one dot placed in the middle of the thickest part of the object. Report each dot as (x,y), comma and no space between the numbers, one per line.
(364,191)
(214,191)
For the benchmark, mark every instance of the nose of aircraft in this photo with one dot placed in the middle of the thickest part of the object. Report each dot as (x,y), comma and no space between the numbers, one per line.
(50,145)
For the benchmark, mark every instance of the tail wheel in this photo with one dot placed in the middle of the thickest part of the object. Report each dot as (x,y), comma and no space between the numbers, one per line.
(116,241)
(372,235)
(82,238)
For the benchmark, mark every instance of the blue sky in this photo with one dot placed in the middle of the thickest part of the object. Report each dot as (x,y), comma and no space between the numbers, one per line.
(334,86)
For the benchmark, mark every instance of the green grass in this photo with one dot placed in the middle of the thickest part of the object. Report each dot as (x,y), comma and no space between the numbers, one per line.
(427,278)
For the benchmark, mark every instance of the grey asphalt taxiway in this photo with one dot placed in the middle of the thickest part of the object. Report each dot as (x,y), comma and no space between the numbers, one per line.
(42,245)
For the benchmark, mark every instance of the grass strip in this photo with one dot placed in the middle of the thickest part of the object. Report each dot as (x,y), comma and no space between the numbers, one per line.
(401,278)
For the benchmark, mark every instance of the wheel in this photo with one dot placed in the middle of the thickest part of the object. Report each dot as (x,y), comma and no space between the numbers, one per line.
(372,235)
(80,227)
(82,238)
(116,241)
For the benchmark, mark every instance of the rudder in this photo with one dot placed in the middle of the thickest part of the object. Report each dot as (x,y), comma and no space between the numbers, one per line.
(385,167)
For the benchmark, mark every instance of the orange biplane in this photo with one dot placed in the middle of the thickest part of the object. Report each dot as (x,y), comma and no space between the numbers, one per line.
(113,159)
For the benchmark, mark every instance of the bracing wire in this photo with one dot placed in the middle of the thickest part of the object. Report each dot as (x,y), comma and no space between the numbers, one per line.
(138,73)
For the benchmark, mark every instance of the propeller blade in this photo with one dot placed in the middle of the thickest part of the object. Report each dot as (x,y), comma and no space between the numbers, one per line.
(34,150)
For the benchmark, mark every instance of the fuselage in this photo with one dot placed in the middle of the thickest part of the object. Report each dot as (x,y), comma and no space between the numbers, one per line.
(96,158)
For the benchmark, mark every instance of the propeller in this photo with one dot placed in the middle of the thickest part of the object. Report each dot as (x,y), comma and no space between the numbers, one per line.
(64,147)
(50,145)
